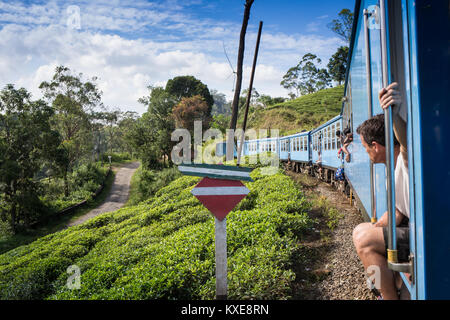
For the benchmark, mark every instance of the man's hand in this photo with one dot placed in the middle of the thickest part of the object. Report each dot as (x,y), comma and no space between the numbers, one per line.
(383,221)
(389,96)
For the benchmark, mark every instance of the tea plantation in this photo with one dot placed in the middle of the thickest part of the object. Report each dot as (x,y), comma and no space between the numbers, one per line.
(163,248)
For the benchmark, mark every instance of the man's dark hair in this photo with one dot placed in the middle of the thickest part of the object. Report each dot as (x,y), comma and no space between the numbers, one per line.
(347,131)
(338,132)
(373,130)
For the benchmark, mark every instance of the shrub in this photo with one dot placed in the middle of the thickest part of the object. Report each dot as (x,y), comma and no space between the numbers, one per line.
(163,248)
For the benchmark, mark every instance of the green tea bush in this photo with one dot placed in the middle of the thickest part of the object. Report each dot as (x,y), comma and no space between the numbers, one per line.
(116,157)
(163,248)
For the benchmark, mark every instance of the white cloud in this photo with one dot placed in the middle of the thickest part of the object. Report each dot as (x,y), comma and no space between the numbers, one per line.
(166,43)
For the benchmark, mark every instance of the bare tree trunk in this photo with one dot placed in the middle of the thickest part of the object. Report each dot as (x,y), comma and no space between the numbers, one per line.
(237,90)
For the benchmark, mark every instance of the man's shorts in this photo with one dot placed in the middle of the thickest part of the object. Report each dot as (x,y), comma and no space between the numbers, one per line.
(402,235)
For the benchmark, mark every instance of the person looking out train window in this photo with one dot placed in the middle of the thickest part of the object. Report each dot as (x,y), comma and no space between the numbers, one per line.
(370,240)
(346,138)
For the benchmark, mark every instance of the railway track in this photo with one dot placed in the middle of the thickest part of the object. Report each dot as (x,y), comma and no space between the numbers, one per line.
(334,271)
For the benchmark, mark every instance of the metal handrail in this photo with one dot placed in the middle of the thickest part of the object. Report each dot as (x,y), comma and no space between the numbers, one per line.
(369,92)
(389,139)
(392,253)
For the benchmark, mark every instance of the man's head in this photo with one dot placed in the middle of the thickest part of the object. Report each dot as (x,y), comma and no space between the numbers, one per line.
(373,138)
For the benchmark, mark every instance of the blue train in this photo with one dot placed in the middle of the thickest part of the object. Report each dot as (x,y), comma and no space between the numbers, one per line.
(406,41)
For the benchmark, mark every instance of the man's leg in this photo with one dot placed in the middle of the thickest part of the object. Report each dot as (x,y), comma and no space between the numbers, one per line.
(370,246)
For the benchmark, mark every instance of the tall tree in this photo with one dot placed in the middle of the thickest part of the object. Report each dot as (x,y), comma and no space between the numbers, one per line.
(160,104)
(337,64)
(189,86)
(221,106)
(73,101)
(143,138)
(306,77)
(342,26)
(26,142)
(240,61)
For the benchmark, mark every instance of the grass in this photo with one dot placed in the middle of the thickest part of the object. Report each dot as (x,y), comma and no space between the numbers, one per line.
(303,113)
(163,248)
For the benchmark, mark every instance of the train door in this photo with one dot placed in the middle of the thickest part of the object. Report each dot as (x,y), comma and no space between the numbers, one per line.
(395,57)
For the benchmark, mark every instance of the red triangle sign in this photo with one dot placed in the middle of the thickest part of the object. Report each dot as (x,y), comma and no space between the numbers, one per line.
(220,196)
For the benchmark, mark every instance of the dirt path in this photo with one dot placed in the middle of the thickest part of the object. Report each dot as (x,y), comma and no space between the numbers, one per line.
(337,271)
(118,195)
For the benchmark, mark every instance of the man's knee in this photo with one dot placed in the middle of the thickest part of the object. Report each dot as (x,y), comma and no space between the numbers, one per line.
(366,238)
(360,234)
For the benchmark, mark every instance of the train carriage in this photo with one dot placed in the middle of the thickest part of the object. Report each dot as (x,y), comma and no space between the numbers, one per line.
(406,41)
(299,147)
(326,143)
(285,148)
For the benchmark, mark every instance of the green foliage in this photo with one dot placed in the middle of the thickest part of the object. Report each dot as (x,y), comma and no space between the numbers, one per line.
(150,135)
(306,77)
(342,26)
(221,106)
(337,65)
(221,122)
(189,86)
(303,113)
(145,183)
(84,181)
(73,101)
(163,248)
(26,143)
(116,157)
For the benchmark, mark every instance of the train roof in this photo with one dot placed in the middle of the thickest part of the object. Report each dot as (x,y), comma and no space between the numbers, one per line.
(326,123)
(296,134)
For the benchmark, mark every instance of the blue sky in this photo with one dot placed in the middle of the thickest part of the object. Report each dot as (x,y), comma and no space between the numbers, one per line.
(132,44)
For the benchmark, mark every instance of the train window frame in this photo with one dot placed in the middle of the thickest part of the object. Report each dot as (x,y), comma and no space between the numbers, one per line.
(338,140)
(329,138)
(333,136)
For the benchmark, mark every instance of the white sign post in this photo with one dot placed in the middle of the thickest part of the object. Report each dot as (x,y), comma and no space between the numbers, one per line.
(221,259)
(219,191)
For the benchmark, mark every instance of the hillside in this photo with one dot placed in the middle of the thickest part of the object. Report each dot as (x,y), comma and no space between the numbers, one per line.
(293,116)
(163,248)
